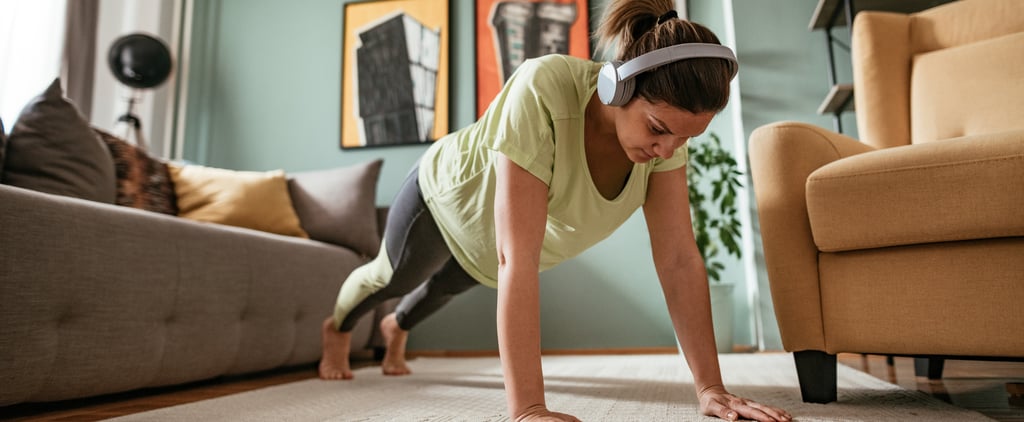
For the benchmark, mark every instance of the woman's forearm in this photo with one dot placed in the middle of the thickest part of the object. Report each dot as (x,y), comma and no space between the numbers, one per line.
(686,294)
(519,339)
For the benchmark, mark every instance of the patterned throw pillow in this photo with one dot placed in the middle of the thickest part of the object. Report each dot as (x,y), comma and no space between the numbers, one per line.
(142,181)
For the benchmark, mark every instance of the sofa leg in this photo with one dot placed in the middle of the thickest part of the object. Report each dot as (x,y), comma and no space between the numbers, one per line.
(378,353)
(929,367)
(816,371)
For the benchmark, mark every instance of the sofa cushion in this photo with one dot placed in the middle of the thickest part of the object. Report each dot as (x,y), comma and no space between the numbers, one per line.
(338,206)
(959,189)
(251,199)
(142,181)
(53,149)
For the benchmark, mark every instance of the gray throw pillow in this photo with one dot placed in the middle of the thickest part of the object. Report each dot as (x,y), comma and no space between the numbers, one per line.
(339,206)
(53,149)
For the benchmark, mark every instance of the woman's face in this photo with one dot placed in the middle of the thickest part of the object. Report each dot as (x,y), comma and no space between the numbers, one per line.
(647,130)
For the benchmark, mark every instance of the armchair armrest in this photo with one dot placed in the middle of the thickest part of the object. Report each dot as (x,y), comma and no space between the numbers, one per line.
(782,156)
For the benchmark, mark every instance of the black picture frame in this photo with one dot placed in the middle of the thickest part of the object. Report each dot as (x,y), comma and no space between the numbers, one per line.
(394,82)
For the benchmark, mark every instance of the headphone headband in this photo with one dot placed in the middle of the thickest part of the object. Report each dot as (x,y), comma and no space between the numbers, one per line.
(677,52)
(615,82)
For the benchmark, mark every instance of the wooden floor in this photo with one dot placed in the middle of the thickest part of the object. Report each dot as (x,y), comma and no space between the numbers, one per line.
(980,386)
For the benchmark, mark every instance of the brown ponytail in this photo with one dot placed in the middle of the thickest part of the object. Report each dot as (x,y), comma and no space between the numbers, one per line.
(696,85)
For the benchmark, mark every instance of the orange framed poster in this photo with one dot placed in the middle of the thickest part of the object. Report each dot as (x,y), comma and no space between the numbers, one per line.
(510,31)
(394,87)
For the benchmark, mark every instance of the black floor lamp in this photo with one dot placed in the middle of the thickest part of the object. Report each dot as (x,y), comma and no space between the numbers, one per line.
(141,62)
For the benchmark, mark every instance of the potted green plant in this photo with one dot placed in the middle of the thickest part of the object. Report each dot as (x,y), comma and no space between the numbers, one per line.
(711,166)
(714,179)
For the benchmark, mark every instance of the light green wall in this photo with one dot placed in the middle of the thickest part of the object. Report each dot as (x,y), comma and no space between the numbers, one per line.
(266,88)
(712,14)
(782,77)
(265,93)
(784,63)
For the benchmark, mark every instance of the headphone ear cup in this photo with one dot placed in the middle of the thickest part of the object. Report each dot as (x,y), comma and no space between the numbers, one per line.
(608,84)
(625,91)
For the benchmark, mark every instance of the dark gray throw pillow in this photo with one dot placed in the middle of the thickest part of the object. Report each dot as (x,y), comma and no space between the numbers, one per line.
(53,149)
(339,206)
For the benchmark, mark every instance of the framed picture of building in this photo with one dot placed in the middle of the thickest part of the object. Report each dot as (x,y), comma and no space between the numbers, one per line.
(510,31)
(394,87)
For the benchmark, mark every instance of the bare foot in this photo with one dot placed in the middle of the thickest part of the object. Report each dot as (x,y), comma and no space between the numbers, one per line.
(334,360)
(394,339)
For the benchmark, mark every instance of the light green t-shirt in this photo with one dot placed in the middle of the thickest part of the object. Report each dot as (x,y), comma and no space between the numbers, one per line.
(537,122)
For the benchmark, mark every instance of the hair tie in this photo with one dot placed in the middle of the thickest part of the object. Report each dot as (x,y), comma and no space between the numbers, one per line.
(671,14)
(644,24)
(649,22)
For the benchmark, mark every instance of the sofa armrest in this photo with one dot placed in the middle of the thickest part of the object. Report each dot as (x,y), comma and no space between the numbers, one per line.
(782,156)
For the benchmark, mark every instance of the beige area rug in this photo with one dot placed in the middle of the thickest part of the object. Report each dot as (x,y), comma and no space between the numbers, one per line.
(617,388)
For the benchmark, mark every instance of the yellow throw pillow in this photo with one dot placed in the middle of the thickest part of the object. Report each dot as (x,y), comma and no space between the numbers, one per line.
(251,199)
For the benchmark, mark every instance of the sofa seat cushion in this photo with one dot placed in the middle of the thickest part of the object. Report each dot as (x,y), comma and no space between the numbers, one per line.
(958,189)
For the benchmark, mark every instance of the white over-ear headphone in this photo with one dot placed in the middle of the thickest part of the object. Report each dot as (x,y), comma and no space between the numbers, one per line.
(616,81)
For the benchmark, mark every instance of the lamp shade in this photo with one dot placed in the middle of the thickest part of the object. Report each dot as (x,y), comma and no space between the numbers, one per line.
(139,60)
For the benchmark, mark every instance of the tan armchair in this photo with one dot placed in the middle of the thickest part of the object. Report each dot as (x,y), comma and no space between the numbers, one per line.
(910,241)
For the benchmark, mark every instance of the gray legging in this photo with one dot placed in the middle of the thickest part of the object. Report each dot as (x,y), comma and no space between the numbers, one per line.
(423,268)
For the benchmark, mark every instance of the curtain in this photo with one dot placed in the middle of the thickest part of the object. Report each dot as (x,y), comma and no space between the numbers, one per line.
(79,59)
(31,35)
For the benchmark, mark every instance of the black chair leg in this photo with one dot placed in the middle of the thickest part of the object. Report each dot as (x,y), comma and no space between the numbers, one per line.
(816,371)
(929,367)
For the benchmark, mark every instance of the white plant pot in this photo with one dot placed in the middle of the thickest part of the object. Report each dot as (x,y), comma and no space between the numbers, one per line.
(721,314)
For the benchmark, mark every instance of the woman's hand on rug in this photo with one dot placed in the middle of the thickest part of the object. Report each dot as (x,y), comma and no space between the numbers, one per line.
(715,401)
(539,413)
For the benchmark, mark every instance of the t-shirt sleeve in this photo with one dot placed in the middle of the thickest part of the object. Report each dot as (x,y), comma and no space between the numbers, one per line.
(518,124)
(677,160)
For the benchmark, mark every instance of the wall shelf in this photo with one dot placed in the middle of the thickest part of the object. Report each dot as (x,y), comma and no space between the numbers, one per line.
(838,100)
(826,8)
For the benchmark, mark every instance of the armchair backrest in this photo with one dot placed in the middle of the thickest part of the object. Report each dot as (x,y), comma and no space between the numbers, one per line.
(953,70)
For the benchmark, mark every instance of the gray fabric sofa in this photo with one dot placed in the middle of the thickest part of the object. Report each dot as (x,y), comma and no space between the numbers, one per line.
(108,285)
(97,298)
